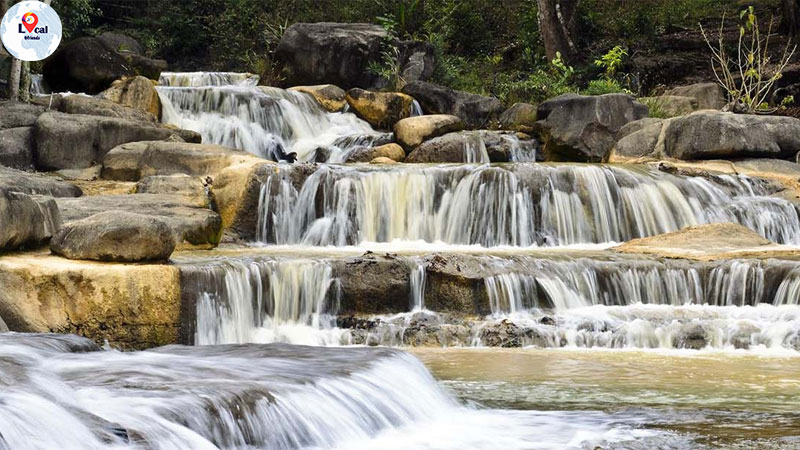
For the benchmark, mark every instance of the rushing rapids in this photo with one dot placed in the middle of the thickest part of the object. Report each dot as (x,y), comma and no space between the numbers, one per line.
(510,205)
(64,392)
(545,302)
(230,110)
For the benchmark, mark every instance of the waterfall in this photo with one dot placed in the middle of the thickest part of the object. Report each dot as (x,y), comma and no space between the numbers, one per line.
(513,205)
(38,85)
(230,110)
(417,286)
(265,301)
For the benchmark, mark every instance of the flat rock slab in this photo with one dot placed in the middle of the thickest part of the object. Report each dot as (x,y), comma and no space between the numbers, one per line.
(189,223)
(706,243)
(38,184)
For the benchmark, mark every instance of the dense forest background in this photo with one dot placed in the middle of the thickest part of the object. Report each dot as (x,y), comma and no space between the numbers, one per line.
(483,46)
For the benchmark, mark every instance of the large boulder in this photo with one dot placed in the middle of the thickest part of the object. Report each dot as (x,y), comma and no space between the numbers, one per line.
(91,64)
(712,135)
(519,117)
(93,106)
(583,128)
(26,220)
(670,105)
(469,147)
(36,184)
(18,114)
(236,192)
(413,131)
(115,236)
(189,223)
(132,306)
(135,160)
(475,110)
(191,188)
(16,147)
(391,151)
(417,60)
(331,97)
(707,95)
(135,92)
(381,109)
(337,53)
(76,141)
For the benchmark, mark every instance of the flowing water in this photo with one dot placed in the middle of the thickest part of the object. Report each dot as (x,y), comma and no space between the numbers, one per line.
(611,351)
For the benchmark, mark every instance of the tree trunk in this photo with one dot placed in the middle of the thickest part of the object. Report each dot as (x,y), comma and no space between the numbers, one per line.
(557,25)
(13,79)
(25,82)
(791,17)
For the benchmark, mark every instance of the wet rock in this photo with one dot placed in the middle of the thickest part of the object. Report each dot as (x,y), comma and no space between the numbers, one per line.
(115,236)
(16,148)
(502,333)
(456,284)
(26,220)
(519,117)
(190,188)
(381,287)
(135,92)
(37,184)
(93,106)
(583,128)
(329,96)
(392,152)
(383,160)
(236,192)
(381,109)
(91,64)
(189,223)
(413,131)
(133,306)
(337,53)
(77,141)
(134,160)
(475,110)
(691,336)
(467,146)
(707,95)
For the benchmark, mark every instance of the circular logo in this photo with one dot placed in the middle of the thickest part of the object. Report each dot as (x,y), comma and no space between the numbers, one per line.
(31,31)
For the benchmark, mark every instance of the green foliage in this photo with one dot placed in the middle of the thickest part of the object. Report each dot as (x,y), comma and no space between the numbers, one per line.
(389,68)
(76,16)
(656,107)
(604,86)
(612,61)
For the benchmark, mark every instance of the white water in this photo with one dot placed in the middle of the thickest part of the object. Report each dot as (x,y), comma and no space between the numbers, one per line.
(513,205)
(256,397)
(230,110)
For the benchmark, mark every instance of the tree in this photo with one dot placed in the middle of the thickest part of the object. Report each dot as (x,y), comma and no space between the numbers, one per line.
(791,17)
(557,25)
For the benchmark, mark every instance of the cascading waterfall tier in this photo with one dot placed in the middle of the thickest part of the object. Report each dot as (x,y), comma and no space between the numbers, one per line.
(510,205)
(553,301)
(229,109)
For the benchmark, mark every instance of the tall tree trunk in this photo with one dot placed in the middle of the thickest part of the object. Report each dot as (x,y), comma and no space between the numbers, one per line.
(791,18)
(25,82)
(557,25)
(13,79)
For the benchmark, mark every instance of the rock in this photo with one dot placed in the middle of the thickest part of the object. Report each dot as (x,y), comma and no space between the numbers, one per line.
(708,95)
(632,127)
(413,131)
(3,326)
(136,92)
(706,242)
(115,236)
(329,96)
(520,117)
(417,60)
(132,306)
(92,106)
(189,223)
(181,135)
(91,64)
(507,334)
(16,148)
(236,192)
(389,151)
(18,114)
(475,110)
(190,188)
(76,141)
(381,287)
(670,105)
(639,144)
(381,109)
(691,336)
(36,184)
(583,128)
(712,135)
(467,146)
(383,160)
(26,220)
(135,160)
(337,53)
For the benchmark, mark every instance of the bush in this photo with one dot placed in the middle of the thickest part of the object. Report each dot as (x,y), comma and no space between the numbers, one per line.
(604,86)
